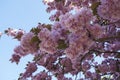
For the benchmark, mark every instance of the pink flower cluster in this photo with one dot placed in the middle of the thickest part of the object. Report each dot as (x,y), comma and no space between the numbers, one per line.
(73,43)
(17,34)
(109,9)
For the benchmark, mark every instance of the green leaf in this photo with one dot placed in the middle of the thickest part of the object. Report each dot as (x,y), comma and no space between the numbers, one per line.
(105,78)
(37,58)
(35,39)
(48,26)
(61,44)
(118,55)
(18,37)
(6,31)
(58,0)
(68,32)
(35,30)
(94,7)
(57,19)
(97,71)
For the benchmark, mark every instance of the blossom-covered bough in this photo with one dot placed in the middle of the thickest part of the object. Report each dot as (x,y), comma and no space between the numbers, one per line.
(83,32)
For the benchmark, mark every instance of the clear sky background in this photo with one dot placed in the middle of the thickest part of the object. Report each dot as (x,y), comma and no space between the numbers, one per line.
(23,14)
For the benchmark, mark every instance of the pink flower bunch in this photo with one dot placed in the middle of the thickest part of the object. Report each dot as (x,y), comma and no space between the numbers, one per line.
(17,34)
(27,44)
(109,9)
(42,76)
(83,39)
(31,67)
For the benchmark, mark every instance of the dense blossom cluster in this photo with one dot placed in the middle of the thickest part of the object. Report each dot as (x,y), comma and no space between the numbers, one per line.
(109,9)
(83,30)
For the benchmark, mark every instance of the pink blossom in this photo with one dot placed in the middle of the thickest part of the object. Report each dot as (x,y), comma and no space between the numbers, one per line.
(43,34)
(42,76)
(97,31)
(103,68)
(19,50)
(48,46)
(86,66)
(27,44)
(0,34)
(31,67)
(15,58)
(109,10)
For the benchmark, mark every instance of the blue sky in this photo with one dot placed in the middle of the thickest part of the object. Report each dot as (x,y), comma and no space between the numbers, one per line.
(23,14)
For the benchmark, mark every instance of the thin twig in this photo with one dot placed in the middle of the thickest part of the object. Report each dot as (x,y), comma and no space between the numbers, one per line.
(107,38)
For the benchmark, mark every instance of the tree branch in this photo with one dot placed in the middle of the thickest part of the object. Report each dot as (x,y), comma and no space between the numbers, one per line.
(107,38)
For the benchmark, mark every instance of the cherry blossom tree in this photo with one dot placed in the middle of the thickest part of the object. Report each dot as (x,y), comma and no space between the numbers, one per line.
(82,32)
